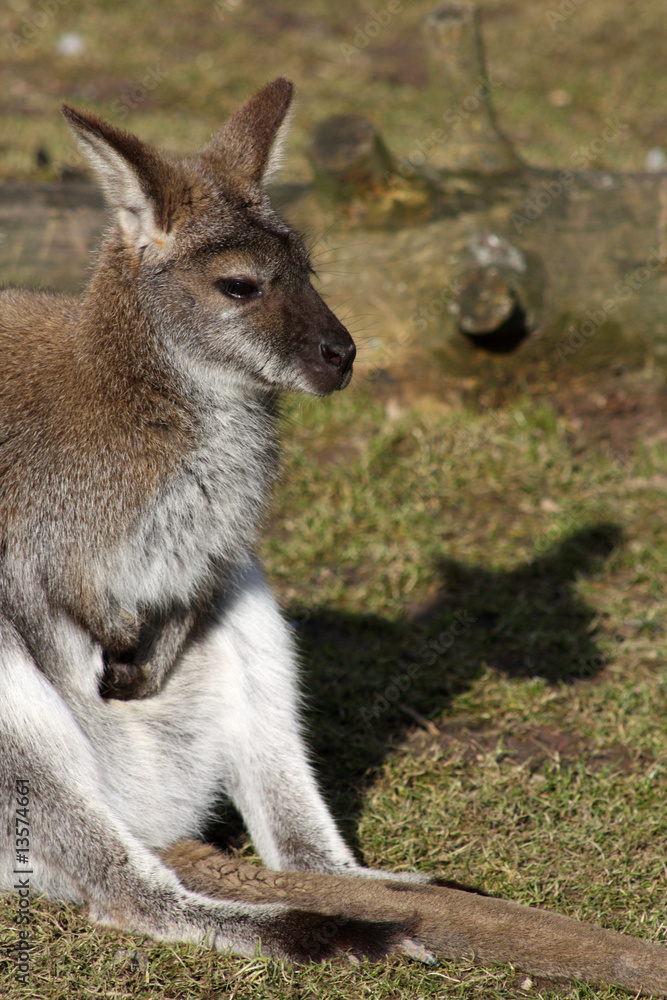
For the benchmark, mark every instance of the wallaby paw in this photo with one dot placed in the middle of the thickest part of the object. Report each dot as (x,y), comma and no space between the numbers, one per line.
(124,681)
(303,936)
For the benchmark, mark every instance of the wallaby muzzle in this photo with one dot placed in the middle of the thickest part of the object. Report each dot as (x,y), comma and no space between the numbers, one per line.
(319,340)
(339,354)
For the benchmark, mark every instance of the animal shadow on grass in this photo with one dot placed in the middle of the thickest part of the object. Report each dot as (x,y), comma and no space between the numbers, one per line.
(367,678)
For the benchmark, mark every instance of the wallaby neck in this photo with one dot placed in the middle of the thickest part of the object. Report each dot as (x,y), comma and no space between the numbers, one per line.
(118,327)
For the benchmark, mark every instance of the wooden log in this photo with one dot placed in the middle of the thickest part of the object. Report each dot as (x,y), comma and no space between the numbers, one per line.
(582,255)
(593,283)
(47,233)
(347,152)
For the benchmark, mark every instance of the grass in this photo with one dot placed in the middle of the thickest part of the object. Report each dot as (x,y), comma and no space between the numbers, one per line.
(527,753)
(539,769)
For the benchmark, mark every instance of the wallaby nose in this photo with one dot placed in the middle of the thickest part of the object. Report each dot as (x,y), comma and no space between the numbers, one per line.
(337,354)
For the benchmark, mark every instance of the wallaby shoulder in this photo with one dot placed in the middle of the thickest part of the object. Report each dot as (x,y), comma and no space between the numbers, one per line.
(80,436)
(30,312)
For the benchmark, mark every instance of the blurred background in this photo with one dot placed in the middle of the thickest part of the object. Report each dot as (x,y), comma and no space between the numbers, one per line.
(174,70)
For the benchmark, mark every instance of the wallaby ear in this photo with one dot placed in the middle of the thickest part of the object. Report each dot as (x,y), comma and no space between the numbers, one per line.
(138,184)
(246,151)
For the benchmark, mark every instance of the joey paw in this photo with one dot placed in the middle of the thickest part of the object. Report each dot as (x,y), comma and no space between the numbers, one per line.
(124,681)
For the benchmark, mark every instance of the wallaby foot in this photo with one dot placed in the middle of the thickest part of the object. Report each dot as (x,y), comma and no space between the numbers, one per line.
(449,923)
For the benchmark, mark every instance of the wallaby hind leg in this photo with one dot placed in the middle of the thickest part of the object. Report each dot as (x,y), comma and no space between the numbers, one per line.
(80,849)
(448,922)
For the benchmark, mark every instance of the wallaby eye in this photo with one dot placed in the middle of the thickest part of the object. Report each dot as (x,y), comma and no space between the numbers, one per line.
(238,288)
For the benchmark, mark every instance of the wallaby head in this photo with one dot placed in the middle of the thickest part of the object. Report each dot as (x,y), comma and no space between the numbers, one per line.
(202,264)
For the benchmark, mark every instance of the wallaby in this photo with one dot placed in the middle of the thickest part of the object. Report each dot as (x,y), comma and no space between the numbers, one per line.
(145,669)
